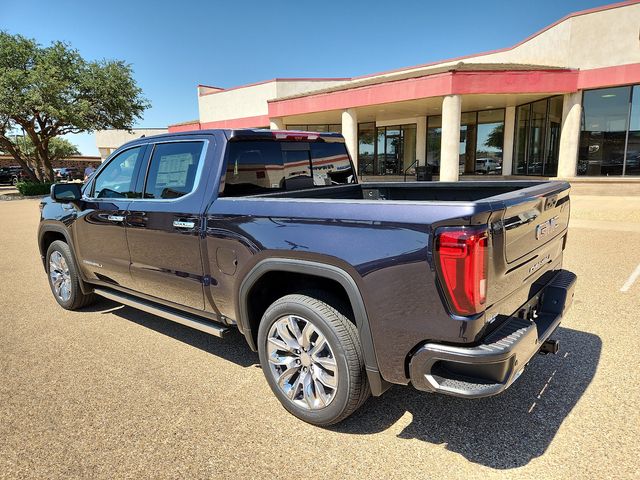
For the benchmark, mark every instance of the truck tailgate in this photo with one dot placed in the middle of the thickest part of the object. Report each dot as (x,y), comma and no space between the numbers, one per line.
(533,221)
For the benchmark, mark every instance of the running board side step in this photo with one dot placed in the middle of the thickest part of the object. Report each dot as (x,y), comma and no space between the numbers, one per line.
(165,312)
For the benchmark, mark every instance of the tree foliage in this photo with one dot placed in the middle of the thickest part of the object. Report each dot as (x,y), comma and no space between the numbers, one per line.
(59,148)
(52,91)
(495,139)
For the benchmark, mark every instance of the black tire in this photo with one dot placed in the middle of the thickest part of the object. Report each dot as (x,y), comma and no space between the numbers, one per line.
(341,334)
(76,299)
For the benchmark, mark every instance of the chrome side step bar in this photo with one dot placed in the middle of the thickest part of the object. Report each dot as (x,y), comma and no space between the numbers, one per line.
(165,312)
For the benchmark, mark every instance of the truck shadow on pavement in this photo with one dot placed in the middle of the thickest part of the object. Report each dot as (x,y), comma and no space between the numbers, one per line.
(232,347)
(501,432)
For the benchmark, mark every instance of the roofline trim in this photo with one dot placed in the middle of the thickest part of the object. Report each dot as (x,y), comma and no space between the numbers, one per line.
(293,79)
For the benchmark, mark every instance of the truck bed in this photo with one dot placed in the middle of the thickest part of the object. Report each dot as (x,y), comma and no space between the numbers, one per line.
(414,191)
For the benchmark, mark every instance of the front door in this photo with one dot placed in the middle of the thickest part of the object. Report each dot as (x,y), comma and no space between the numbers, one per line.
(164,226)
(103,253)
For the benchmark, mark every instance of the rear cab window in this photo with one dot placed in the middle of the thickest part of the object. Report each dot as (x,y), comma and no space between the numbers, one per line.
(266,166)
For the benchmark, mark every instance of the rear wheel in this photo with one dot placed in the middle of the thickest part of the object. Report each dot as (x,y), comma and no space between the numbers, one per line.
(64,279)
(311,356)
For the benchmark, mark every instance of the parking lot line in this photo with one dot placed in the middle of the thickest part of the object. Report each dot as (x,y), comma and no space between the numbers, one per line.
(632,278)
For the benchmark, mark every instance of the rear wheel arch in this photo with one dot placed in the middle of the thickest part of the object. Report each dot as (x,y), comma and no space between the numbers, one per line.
(254,299)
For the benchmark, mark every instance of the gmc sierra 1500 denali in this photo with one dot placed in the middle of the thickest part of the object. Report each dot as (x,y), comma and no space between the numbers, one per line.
(343,288)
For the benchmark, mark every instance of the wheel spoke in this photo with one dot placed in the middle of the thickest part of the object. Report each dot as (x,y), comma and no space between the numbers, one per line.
(319,345)
(321,393)
(327,363)
(307,332)
(325,378)
(283,381)
(282,360)
(307,390)
(294,328)
(279,344)
(286,336)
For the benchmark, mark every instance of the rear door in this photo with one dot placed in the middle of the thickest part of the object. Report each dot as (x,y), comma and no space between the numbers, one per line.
(164,226)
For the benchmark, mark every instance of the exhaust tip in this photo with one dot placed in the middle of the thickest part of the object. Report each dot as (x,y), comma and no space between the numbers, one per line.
(550,346)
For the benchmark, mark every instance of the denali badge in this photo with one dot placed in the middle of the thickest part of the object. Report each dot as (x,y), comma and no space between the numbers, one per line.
(546,228)
(94,264)
(540,263)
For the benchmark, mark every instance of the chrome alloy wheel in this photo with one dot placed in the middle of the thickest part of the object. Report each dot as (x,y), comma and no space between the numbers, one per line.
(60,276)
(302,362)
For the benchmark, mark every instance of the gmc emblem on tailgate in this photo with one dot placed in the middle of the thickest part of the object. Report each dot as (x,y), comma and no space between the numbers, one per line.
(546,228)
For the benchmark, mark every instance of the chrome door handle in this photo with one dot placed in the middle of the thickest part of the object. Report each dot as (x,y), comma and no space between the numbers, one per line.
(116,218)
(181,224)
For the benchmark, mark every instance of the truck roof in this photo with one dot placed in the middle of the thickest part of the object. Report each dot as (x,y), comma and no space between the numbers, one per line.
(255,133)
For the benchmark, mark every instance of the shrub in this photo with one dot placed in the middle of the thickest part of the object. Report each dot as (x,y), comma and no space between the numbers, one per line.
(31,188)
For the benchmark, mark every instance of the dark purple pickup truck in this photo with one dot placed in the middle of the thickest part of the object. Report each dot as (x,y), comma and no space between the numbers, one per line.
(343,288)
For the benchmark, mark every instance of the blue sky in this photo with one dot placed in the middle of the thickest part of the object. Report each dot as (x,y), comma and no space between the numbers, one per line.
(173,46)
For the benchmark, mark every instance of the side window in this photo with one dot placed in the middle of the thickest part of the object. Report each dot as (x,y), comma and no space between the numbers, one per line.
(117,180)
(253,168)
(173,168)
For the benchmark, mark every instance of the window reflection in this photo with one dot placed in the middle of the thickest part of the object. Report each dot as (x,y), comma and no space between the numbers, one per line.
(537,137)
(481,142)
(604,131)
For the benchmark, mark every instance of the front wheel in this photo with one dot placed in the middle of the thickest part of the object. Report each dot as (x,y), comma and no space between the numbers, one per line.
(64,279)
(311,356)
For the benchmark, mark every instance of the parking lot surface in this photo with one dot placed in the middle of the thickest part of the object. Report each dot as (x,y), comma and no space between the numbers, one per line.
(111,392)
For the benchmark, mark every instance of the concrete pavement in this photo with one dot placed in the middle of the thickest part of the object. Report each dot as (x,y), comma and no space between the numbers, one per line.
(111,392)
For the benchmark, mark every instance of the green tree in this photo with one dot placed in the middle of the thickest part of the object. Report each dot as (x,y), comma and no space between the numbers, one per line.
(51,91)
(59,149)
(495,139)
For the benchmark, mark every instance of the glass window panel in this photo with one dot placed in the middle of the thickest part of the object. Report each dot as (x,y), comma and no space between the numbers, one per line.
(337,128)
(297,127)
(633,147)
(380,152)
(116,179)
(173,169)
(366,147)
(434,137)
(318,128)
(602,140)
(408,149)
(535,160)
(523,114)
(392,161)
(491,116)
(252,168)
(468,118)
(552,139)
(489,148)
(331,164)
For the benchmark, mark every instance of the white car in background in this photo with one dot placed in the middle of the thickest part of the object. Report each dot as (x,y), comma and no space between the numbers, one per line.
(488,166)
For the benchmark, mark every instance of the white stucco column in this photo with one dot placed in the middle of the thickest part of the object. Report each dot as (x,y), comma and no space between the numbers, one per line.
(276,123)
(350,133)
(450,146)
(507,146)
(570,135)
(421,140)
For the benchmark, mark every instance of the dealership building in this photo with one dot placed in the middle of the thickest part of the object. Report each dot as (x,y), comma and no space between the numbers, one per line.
(564,102)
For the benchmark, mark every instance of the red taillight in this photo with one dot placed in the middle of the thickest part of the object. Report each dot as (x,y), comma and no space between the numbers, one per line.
(461,255)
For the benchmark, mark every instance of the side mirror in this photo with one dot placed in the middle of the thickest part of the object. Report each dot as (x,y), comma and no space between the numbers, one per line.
(66,192)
